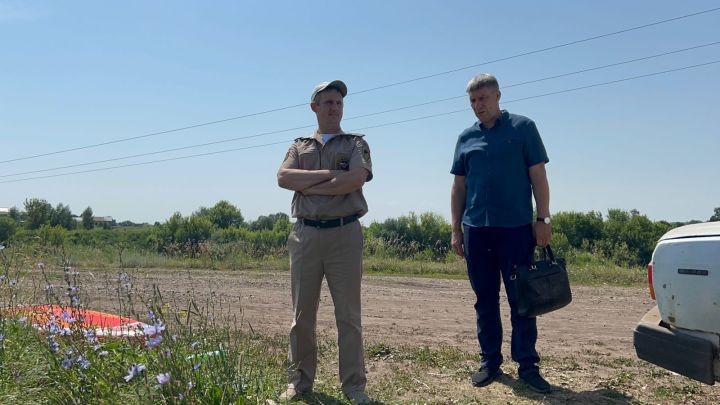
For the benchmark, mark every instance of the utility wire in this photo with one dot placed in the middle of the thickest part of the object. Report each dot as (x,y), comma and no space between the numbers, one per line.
(579,41)
(150,162)
(374,126)
(566,44)
(160,151)
(151,134)
(355,117)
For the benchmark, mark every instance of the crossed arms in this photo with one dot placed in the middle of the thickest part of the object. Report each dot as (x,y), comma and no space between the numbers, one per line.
(322,182)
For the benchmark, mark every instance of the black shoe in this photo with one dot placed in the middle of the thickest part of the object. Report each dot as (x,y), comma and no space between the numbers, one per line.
(536,383)
(485,376)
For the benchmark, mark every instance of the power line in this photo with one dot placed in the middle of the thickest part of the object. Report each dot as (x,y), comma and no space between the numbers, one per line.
(370,89)
(615,64)
(147,163)
(152,134)
(160,151)
(615,81)
(538,50)
(547,94)
(373,126)
(357,116)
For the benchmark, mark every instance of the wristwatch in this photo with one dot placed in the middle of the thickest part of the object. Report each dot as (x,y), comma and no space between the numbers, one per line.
(545,220)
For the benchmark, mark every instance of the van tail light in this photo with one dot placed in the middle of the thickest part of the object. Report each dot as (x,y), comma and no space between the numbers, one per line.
(650,280)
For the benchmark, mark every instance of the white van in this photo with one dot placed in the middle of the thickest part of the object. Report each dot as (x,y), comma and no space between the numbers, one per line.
(682,333)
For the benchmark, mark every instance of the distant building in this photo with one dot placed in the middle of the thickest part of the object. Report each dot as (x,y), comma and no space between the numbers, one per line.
(4,211)
(103,220)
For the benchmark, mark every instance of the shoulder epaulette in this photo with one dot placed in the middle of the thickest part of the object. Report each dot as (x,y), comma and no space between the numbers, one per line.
(353,134)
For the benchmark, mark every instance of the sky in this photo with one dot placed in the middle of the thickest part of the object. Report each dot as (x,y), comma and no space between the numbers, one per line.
(81,73)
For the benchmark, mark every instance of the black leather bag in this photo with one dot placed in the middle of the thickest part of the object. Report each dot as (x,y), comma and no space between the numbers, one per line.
(542,286)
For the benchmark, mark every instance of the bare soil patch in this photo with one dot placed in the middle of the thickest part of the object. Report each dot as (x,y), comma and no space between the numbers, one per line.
(402,310)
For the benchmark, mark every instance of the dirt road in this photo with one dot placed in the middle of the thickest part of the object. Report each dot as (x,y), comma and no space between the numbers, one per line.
(404,310)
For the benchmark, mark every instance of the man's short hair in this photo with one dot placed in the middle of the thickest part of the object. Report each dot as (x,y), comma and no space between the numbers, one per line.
(482,81)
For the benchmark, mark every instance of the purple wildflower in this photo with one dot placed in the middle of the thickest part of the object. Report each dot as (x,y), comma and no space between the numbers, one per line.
(154,341)
(67,363)
(103,353)
(133,371)
(163,378)
(67,317)
(54,346)
(83,362)
(124,280)
(53,327)
(155,329)
(90,336)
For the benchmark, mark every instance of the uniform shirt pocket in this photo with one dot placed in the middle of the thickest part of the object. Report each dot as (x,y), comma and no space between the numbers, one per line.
(309,157)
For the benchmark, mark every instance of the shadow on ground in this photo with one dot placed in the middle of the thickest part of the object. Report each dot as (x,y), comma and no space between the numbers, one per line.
(561,395)
(319,398)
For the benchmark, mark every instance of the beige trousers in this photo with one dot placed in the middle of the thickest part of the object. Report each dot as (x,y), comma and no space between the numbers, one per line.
(335,253)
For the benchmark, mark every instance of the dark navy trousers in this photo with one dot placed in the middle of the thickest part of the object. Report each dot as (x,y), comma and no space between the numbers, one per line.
(491,252)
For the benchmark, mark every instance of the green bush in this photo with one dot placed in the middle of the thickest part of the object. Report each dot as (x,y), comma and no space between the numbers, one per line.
(7,228)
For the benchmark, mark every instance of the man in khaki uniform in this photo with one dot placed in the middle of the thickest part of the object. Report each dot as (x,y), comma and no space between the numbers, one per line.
(326,171)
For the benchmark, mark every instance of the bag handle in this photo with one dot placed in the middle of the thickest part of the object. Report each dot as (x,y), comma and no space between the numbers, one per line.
(547,253)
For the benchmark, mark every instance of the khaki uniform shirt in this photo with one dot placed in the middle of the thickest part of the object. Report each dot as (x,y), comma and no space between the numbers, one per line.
(341,152)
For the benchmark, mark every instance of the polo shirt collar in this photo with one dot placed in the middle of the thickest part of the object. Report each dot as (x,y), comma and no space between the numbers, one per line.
(504,115)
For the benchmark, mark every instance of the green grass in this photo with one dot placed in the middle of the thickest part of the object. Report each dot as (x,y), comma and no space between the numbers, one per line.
(246,369)
(199,348)
(583,268)
(381,258)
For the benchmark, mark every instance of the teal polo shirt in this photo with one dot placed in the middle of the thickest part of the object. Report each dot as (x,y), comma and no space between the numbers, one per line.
(495,163)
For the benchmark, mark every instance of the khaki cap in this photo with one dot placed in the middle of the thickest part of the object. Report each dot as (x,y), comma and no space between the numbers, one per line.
(335,84)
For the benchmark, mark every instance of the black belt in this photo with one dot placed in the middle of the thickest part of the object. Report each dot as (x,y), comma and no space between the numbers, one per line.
(329,223)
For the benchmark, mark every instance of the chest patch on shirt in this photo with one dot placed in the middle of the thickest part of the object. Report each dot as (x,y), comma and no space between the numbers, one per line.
(342,162)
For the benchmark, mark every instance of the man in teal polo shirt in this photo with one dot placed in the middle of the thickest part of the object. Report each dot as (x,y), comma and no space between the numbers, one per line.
(499,165)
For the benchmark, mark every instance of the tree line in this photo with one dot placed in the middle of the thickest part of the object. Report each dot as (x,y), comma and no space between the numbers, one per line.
(624,237)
